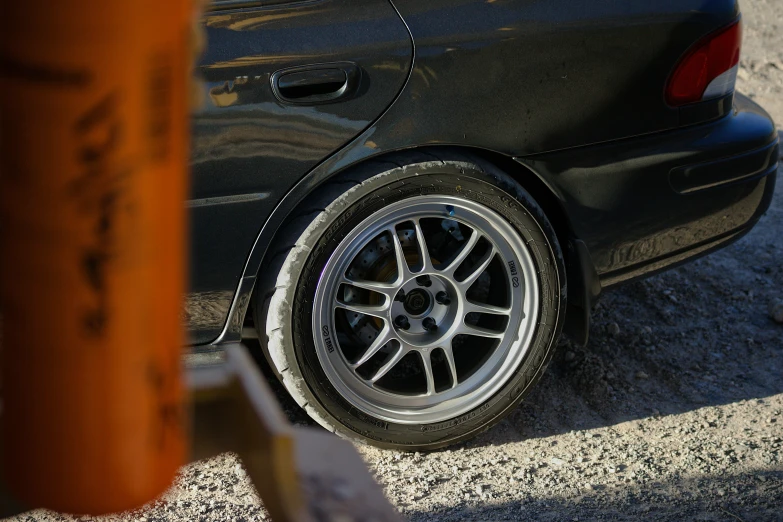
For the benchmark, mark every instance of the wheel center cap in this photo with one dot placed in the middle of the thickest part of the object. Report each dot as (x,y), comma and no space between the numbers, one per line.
(417,302)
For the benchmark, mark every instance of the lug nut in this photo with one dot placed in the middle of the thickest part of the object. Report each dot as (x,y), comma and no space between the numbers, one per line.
(429,324)
(443,298)
(400,296)
(402,322)
(423,281)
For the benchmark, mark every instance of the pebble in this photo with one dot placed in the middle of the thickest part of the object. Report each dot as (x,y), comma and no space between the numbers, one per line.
(569,356)
(614,329)
(776,310)
(642,375)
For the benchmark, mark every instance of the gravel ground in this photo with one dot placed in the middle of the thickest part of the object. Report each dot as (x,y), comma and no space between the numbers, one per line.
(672,412)
(761,67)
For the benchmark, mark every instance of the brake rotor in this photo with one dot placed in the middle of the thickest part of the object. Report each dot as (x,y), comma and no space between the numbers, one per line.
(376,262)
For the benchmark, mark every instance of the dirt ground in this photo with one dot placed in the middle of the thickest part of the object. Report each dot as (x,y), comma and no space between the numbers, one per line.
(672,412)
(761,67)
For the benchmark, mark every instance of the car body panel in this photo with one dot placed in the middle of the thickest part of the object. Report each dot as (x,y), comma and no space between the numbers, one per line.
(249,149)
(624,243)
(529,76)
(514,79)
(621,202)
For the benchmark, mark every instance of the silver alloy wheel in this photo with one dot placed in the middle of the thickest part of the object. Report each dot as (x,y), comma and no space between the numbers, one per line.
(412,334)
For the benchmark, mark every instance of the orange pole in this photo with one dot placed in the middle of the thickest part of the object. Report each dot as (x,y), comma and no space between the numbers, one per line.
(93,158)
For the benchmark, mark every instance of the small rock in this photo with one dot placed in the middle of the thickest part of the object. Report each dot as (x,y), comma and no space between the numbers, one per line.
(776,310)
(569,356)
(614,329)
(771,420)
(642,375)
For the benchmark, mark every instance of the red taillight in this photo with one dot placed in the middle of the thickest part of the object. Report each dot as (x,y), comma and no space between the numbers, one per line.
(708,70)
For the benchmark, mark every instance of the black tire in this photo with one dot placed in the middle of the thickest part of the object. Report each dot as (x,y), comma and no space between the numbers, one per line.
(287,284)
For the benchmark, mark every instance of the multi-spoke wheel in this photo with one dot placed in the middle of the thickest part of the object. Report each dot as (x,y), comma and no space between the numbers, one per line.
(419,306)
(419,301)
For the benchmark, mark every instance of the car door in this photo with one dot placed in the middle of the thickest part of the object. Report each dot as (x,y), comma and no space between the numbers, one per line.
(286,83)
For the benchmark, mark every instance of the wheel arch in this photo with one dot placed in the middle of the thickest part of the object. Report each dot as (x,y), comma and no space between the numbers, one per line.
(580,273)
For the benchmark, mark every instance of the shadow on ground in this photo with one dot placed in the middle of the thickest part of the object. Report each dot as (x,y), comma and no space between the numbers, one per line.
(746,496)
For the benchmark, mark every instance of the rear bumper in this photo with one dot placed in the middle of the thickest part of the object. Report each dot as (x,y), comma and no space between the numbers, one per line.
(644,204)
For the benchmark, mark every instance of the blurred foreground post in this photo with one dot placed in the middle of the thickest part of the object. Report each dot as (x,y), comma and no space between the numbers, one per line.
(93,161)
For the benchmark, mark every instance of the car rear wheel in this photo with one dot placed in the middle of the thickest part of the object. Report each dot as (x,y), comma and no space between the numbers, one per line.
(413,306)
